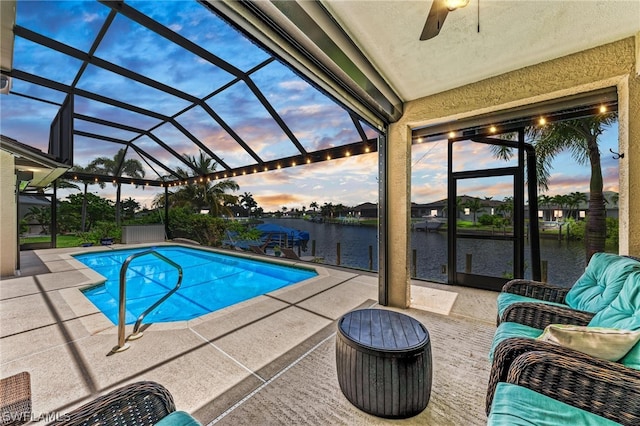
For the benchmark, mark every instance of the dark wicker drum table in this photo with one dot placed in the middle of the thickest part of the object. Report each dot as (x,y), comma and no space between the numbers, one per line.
(384,362)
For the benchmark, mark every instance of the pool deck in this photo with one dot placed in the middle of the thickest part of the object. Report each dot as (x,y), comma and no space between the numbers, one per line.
(269,360)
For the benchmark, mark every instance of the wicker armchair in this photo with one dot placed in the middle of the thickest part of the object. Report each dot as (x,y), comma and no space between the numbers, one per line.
(141,403)
(605,388)
(15,399)
(539,304)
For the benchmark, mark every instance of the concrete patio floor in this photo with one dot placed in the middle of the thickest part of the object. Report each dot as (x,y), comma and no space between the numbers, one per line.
(269,360)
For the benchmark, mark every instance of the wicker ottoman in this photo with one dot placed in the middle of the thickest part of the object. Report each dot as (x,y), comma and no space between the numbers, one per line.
(384,362)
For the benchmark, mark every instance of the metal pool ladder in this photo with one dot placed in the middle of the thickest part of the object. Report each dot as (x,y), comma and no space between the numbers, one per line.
(122,342)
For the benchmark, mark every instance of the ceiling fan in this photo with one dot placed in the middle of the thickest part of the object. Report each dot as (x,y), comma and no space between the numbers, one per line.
(437,14)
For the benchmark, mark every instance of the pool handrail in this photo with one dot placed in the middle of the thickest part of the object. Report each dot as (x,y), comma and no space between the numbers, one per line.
(122,345)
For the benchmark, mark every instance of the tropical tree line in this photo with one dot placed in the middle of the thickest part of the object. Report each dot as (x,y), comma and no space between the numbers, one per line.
(327,210)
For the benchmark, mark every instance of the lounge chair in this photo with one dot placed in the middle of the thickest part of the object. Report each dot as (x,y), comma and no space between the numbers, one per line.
(291,254)
(137,404)
(257,250)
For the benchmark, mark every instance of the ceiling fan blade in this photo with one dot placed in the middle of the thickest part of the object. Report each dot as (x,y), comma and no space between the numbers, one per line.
(435,19)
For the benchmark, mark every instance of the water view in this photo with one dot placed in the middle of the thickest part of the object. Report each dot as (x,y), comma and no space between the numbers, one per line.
(566,260)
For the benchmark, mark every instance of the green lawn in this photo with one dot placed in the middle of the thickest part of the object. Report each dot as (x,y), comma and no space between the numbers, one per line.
(62,240)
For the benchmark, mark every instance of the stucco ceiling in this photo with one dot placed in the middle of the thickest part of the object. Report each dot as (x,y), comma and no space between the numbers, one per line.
(512,34)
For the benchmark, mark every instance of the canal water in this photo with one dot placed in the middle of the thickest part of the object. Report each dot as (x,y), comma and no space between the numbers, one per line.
(566,260)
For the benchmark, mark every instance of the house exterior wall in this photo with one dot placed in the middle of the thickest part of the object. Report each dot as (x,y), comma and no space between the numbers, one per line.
(8,216)
(610,65)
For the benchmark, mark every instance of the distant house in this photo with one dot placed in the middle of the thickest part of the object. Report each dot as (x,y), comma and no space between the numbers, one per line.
(27,202)
(555,212)
(439,208)
(366,210)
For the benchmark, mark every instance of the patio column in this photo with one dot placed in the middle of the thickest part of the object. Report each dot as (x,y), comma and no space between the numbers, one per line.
(9,235)
(629,110)
(398,232)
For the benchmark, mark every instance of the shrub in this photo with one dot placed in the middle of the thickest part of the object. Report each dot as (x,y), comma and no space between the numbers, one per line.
(205,229)
(485,220)
(613,237)
(105,230)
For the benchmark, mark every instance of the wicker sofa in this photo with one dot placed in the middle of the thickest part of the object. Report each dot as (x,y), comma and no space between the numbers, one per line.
(138,404)
(538,304)
(557,375)
(571,387)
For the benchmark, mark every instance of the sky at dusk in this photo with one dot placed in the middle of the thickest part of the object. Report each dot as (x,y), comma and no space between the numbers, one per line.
(315,121)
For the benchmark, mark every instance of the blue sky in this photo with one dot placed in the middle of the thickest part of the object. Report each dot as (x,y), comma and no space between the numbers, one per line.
(314,119)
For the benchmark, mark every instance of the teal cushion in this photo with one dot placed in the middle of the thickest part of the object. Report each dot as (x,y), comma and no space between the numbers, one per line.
(515,405)
(624,311)
(507,330)
(507,299)
(178,418)
(601,282)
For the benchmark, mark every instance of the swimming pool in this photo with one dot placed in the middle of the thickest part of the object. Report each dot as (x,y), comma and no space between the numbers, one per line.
(211,281)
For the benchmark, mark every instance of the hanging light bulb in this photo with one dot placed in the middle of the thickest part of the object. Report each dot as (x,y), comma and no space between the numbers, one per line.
(455,4)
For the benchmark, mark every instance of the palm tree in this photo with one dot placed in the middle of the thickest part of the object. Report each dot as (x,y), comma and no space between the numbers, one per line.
(615,198)
(339,208)
(313,206)
(202,193)
(561,202)
(544,200)
(474,205)
(327,210)
(118,166)
(248,202)
(91,168)
(575,199)
(506,208)
(459,206)
(580,138)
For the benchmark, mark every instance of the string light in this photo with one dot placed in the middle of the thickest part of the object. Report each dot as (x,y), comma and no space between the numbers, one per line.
(603,109)
(308,160)
(493,129)
(367,149)
(348,154)
(452,134)
(542,121)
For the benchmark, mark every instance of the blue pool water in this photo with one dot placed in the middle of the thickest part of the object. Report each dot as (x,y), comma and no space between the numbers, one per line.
(211,281)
